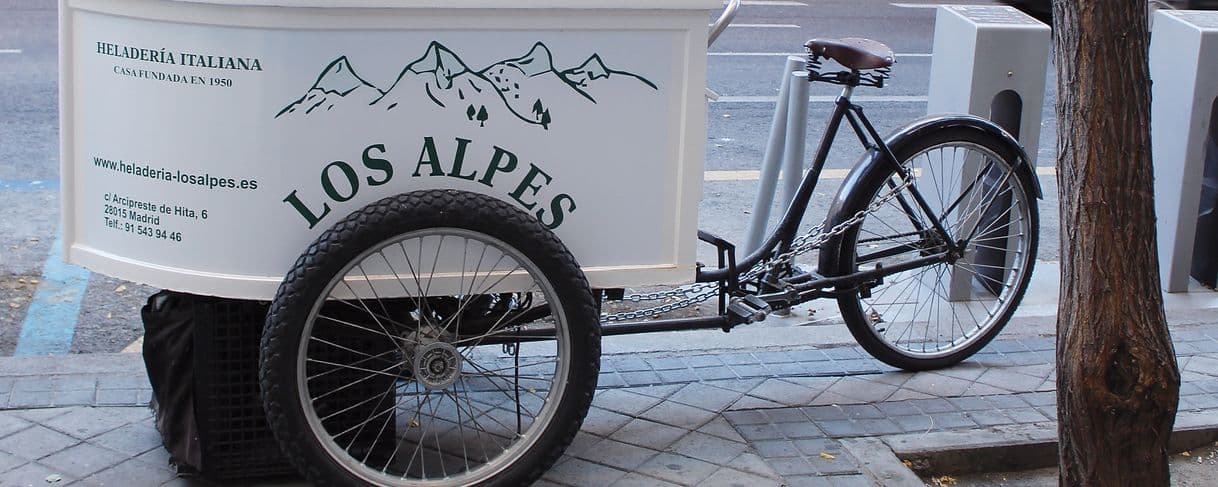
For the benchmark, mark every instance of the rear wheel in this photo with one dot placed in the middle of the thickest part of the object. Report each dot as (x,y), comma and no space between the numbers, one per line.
(939,313)
(389,355)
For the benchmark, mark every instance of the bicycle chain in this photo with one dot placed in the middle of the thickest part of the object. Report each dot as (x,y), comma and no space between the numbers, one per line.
(699,292)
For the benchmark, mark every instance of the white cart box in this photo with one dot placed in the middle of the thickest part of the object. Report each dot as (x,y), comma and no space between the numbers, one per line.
(206,143)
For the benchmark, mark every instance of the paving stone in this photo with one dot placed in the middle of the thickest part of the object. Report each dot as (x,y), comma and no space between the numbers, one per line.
(1203,364)
(705,397)
(775,357)
(660,392)
(629,365)
(33,474)
(830,398)
(971,403)
(746,417)
(86,422)
(789,467)
(721,428)
(750,402)
(878,427)
(1025,415)
(936,405)
(648,434)
(786,415)
(32,384)
(776,448)
(739,359)
(750,370)
(641,378)
(6,384)
(617,454)
(843,353)
(842,463)
(677,375)
(989,417)
(857,480)
(1049,412)
(756,432)
(742,386)
(42,415)
(825,413)
(914,424)
(951,421)
(751,463)
(123,382)
(624,401)
(969,371)
(714,373)
(633,479)
(666,363)
(906,395)
(119,397)
(1006,346)
(802,430)
(899,408)
(36,442)
(708,448)
(1040,344)
(861,389)
(840,429)
(859,366)
(1007,401)
(679,415)
(862,411)
(806,481)
(703,361)
(157,457)
(83,460)
(603,421)
(10,423)
(1040,398)
(788,369)
(132,439)
(27,400)
(979,389)
(575,471)
(9,462)
(1009,381)
(678,469)
(814,447)
(729,477)
(937,385)
(1025,358)
(808,356)
(609,380)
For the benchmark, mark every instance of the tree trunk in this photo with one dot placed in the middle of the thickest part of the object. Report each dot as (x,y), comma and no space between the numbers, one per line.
(1117,379)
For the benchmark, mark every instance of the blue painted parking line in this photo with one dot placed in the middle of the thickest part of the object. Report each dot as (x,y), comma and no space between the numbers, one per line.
(10,184)
(50,321)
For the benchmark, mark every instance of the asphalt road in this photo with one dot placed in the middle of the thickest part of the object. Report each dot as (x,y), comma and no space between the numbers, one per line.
(744,67)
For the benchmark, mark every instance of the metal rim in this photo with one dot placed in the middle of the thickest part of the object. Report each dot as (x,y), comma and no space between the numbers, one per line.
(933,292)
(524,440)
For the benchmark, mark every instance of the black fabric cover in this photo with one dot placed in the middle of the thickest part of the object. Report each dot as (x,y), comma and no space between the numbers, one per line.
(168,356)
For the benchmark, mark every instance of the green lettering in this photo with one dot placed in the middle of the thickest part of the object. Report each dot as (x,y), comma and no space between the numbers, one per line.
(458,159)
(527,184)
(557,210)
(428,156)
(495,166)
(377,164)
(304,211)
(328,185)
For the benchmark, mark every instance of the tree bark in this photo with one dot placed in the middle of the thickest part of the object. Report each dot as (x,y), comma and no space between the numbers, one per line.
(1117,379)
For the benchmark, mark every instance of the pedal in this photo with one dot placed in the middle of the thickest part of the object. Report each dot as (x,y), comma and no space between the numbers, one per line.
(748,309)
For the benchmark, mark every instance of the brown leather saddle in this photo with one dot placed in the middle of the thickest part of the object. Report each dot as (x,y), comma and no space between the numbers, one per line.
(853,52)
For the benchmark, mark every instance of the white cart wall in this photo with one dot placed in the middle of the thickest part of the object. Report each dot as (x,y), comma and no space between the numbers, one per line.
(206,143)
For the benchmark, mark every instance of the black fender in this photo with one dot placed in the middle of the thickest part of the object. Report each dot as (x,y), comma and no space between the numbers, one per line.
(869,163)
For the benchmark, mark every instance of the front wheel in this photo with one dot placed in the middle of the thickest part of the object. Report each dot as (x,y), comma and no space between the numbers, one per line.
(942,312)
(394,354)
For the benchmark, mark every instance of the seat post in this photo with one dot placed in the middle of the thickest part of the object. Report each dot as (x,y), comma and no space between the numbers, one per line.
(847,91)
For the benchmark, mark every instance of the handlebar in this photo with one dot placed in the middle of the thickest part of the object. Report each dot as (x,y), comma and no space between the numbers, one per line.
(717,28)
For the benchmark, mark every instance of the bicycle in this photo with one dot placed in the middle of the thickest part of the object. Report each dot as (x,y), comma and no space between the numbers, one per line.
(475,350)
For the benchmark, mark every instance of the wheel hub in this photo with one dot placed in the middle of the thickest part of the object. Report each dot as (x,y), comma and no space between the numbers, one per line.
(437,365)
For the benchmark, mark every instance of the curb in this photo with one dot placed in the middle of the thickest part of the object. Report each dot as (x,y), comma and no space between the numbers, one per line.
(1021,447)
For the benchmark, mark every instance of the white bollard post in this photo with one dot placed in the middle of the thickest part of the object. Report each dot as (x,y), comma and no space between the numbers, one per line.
(1183,56)
(989,61)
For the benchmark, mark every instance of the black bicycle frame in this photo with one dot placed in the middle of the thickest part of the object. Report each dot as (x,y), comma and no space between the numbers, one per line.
(783,236)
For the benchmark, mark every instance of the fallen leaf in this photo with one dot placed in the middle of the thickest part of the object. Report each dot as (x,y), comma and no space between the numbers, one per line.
(413,424)
(120,288)
(54,478)
(827,456)
(907,463)
(33,281)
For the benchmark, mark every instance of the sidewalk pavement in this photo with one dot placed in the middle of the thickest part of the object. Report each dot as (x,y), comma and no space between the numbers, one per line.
(777,416)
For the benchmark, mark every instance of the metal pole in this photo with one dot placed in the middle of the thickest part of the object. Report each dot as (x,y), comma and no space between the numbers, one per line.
(771,160)
(797,136)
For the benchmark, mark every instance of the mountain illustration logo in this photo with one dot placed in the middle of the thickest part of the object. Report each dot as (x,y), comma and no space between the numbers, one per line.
(521,86)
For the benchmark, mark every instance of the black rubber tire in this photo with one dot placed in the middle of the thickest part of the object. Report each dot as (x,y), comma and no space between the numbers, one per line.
(838,257)
(377,223)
